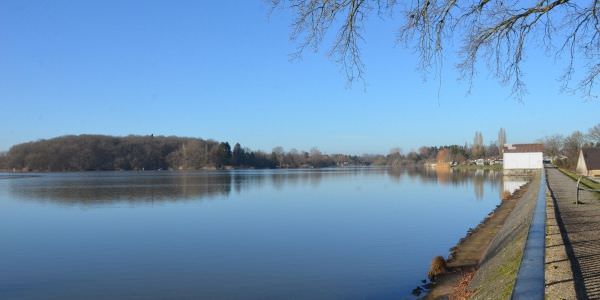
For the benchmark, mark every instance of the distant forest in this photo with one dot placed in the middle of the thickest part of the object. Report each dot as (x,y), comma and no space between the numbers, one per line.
(101,152)
(134,152)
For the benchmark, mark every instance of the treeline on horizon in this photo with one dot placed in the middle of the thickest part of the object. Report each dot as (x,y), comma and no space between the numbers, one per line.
(135,152)
(564,150)
(101,152)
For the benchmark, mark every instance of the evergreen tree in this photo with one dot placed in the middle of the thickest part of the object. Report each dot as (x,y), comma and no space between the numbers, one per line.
(237,155)
(223,154)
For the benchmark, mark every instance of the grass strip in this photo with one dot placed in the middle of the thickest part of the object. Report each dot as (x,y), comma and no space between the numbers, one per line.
(585,181)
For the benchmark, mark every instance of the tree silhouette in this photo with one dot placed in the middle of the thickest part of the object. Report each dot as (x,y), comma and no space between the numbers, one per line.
(497,31)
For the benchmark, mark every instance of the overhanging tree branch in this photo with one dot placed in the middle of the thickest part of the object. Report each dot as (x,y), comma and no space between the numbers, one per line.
(497,31)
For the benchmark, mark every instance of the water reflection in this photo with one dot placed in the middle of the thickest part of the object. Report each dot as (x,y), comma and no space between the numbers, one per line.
(455,177)
(269,233)
(511,182)
(105,187)
(99,189)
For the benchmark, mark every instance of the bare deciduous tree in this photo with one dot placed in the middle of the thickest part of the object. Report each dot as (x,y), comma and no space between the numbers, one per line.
(594,134)
(571,146)
(501,139)
(553,145)
(496,31)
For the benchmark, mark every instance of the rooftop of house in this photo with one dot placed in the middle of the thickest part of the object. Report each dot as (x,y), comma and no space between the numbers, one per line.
(522,148)
(592,158)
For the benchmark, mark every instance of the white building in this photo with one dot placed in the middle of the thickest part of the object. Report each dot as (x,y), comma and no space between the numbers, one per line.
(523,156)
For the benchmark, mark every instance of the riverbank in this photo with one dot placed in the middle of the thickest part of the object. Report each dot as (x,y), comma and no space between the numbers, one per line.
(485,263)
(17,176)
(497,167)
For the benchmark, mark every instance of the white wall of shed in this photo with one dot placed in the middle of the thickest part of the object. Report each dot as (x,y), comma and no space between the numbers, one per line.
(524,160)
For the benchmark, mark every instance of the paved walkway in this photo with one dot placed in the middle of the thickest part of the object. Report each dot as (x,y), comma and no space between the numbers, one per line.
(579,226)
(558,271)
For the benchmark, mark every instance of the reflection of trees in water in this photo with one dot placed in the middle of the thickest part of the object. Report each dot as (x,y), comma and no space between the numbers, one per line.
(451,176)
(106,187)
(444,173)
(245,181)
(478,181)
(314,177)
(446,176)
(129,187)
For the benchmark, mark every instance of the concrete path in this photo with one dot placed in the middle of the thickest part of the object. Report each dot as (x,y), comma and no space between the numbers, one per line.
(558,271)
(579,227)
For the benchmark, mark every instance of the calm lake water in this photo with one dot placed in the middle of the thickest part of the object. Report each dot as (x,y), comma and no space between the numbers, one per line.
(352,233)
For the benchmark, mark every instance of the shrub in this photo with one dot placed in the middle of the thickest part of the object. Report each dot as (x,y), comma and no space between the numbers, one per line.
(438,267)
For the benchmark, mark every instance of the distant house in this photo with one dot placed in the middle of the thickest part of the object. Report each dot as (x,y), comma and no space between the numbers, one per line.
(589,162)
(497,161)
(523,156)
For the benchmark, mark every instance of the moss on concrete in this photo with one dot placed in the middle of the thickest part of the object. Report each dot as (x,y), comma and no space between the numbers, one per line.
(496,276)
(499,281)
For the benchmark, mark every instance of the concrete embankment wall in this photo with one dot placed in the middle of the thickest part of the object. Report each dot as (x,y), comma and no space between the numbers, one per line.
(498,270)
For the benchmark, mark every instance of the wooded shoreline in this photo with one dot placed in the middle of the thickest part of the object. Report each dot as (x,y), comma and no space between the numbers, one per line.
(101,152)
(135,152)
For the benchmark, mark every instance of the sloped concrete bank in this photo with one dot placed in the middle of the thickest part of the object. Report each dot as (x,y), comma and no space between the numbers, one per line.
(498,270)
(495,273)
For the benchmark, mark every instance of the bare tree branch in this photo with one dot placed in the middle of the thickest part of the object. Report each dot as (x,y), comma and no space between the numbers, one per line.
(499,32)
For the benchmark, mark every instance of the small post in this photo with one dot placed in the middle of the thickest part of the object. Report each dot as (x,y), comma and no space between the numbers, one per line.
(577,197)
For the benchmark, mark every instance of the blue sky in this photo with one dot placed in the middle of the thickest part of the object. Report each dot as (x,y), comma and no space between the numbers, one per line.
(221,70)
